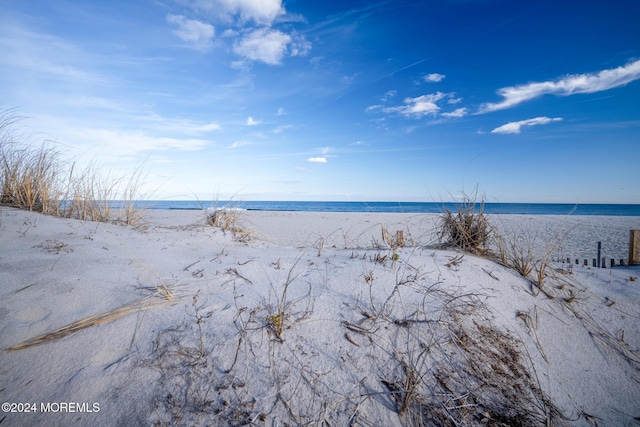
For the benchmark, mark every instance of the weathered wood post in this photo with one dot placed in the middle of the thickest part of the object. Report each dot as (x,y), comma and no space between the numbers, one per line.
(400,238)
(634,247)
(599,251)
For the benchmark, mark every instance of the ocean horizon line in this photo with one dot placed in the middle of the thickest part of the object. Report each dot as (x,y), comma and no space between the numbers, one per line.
(534,208)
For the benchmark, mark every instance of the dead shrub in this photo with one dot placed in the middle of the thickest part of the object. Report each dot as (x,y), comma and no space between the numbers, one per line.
(468,228)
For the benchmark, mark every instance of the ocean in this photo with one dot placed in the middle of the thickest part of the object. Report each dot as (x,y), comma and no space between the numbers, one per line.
(403,207)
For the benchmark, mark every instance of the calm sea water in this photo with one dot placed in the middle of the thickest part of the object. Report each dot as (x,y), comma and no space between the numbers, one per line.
(404,207)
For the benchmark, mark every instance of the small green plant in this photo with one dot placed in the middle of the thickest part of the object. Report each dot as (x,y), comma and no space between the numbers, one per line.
(276,320)
(276,324)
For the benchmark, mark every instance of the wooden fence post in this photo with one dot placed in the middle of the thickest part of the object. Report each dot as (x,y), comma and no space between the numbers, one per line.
(634,247)
(400,238)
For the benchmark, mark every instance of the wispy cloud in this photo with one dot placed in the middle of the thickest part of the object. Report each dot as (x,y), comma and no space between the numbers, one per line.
(317,160)
(252,122)
(35,52)
(179,126)
(434,77)
(124,142)
(388,95)
(198,34)
(237,144)
(570,85)
(516,127)
(282,128)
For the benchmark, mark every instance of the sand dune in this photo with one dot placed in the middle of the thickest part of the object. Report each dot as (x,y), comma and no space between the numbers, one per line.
(313,319)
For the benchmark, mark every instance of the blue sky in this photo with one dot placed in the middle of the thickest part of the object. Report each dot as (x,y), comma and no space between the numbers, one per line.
(529,101)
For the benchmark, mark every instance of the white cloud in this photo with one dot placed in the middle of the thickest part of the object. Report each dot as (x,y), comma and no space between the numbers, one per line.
(317,160)
(197,33)
(264,45)
(252,122)
(459,112)
(569,85)
(281,112)
(434,77)
(270,46)
(262,12)
(515,127)
(418,107)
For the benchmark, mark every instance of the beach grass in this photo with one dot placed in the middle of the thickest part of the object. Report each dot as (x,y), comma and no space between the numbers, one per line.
(228,218)
(468,228)
(144,303)
(37,178)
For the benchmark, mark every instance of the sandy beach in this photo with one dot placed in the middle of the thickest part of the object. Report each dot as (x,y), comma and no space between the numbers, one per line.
(311,319)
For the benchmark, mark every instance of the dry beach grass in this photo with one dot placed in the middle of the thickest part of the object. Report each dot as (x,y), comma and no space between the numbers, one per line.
(37,178)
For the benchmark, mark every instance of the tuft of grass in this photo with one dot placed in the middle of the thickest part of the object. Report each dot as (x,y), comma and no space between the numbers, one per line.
(227,218)
(104,197)
(29,176)
(275,321)
(468,228)
(528,256)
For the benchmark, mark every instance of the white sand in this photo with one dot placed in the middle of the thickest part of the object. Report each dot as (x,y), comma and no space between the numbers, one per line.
(483,342)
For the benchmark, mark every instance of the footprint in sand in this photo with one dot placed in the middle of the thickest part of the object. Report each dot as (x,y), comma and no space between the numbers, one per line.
(34,314)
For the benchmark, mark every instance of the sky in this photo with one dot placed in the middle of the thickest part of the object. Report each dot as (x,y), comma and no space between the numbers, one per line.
(523,101)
